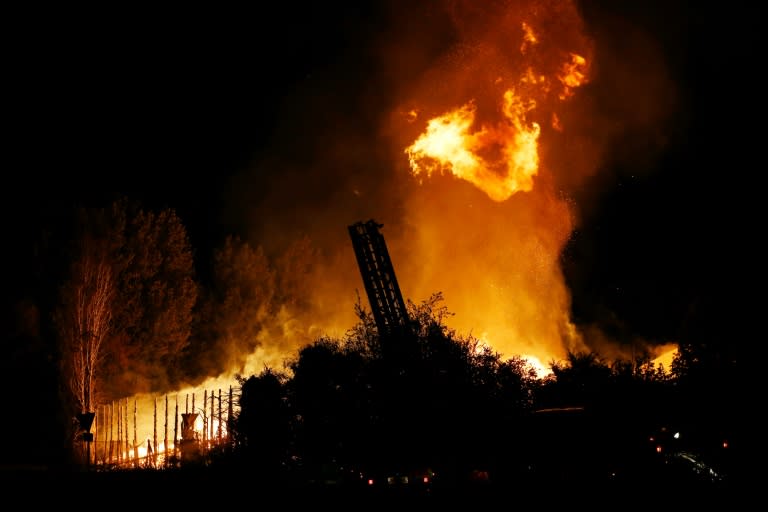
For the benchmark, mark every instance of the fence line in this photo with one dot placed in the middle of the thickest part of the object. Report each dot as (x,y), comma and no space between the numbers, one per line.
(209,430)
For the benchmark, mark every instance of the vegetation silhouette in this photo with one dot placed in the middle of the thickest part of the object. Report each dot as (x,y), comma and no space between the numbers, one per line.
(446,413)
(431,409)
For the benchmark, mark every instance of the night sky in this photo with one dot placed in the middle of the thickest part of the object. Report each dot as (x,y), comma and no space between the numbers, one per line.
(174,107)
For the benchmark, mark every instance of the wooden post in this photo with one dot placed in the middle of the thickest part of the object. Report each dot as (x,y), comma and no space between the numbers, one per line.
(127,437)
(110,434)
(205,418)
(119,431)
(95,436)
(123,433)
(218,434)
(154,433)
(113,434)
(118,427)
(103,431)
(186,406)
(229,416)
(210,437)
(193,408)
(165,434)
(176,428)
(135,437)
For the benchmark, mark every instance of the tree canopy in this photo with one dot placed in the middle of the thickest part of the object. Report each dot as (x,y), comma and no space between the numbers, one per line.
(127,300)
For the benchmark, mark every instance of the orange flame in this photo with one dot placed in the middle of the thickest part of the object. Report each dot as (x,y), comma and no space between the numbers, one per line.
(449,144)
(498,124)
(499,159)
(573,74)
(529,38)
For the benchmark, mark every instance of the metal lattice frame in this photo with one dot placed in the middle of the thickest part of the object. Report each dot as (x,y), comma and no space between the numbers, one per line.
(379,279)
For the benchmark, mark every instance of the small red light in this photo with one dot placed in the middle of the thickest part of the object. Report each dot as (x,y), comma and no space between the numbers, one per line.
(370,481)
(725,444)
(658,449)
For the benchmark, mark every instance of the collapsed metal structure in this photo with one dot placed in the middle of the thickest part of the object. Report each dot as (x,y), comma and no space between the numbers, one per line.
(384,296)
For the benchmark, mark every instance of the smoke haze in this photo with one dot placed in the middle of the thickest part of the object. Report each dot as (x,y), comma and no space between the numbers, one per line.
(337,156)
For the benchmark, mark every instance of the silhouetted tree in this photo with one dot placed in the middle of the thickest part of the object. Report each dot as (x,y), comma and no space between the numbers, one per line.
(85,312)
(233,310)
(330,393)
(262,426)
(363,337)
(85,316)
(443,401)
(128,297)
(579,380)
(157,292)
(706,389)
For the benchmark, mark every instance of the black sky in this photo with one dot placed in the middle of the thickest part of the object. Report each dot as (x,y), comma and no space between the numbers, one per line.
(169,106)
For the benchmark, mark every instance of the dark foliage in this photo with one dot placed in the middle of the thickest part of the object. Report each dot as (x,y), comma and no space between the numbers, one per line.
(442,411)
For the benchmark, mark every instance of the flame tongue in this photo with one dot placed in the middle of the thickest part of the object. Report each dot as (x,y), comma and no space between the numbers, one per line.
(449,144)
(499,158)
(499,114)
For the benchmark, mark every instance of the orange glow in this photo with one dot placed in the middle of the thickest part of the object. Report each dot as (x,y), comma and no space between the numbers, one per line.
(489,148)
(449,144)
(556,123)
(488,221)
(501,158)
(573,74)
(482,211)
(498,130)
(145,422)
(529,38)
(542,370)
(665,354)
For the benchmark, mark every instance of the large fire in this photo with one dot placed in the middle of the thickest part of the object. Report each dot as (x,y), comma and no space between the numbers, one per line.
(496,258)
(490,139)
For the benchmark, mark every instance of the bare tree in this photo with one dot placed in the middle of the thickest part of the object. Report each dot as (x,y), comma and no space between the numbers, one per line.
(85,317)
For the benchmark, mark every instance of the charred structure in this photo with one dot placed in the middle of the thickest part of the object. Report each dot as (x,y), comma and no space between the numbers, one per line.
(384,296)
